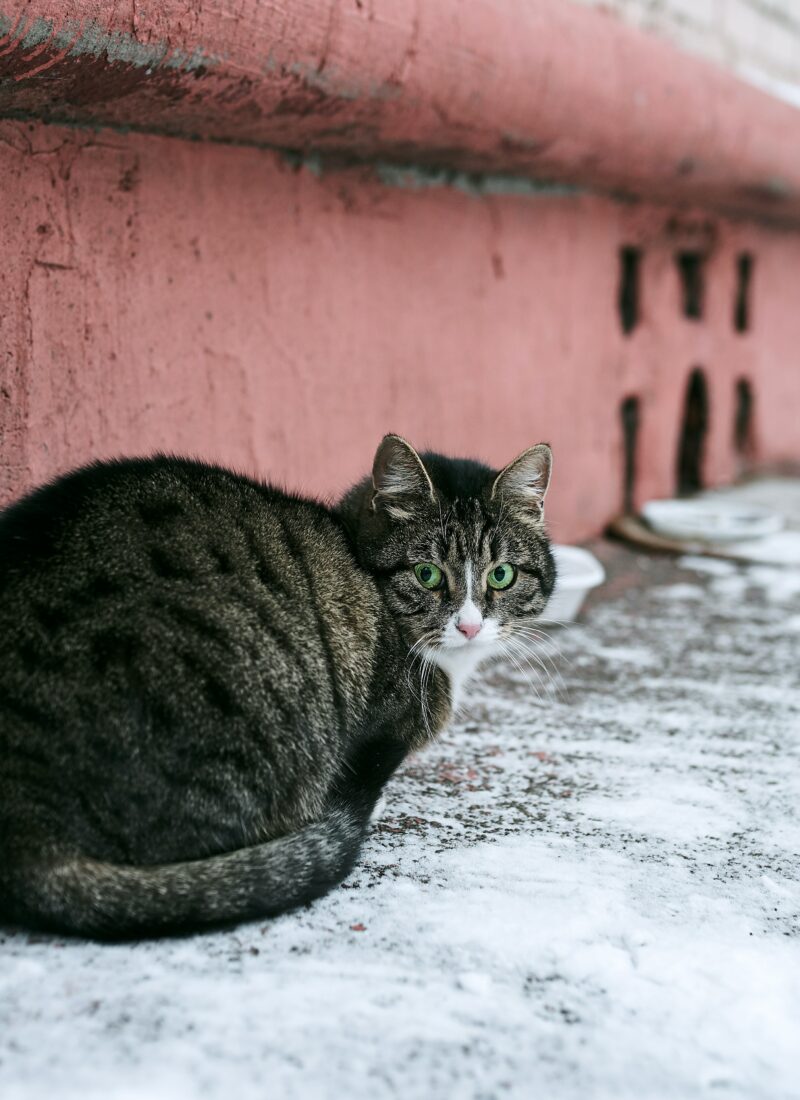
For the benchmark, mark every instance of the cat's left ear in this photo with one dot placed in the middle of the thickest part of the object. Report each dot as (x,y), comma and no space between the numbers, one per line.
(525,480)
(399,479)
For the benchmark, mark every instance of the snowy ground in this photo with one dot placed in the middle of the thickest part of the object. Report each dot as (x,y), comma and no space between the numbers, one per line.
(592,895)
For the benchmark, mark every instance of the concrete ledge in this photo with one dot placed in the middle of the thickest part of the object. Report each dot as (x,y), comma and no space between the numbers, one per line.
(528,87)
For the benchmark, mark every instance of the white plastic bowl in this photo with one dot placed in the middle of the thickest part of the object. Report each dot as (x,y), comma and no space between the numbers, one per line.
(710,521)
(578,572)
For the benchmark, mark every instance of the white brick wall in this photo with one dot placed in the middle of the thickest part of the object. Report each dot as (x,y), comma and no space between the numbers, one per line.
(758,39)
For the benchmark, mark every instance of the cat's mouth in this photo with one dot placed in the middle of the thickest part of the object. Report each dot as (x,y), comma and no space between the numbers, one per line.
(478,641)
(475,637)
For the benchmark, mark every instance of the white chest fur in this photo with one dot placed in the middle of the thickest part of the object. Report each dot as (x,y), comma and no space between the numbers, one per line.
(459,665)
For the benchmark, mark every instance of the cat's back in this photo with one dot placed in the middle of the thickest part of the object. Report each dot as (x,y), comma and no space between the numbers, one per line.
(125,524)
(160,517)
(141,564)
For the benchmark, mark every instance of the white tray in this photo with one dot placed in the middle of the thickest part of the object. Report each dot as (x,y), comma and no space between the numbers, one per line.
(710,521)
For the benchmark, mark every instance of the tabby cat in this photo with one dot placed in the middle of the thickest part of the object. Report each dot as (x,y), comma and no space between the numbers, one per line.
(205,682)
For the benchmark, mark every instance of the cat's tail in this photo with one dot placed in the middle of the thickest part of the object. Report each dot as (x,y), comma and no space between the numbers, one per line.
(110,901)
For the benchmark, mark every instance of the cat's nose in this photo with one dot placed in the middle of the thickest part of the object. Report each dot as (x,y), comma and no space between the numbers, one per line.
(469,629)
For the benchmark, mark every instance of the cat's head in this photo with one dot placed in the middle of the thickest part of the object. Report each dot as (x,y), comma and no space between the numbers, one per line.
(460,550)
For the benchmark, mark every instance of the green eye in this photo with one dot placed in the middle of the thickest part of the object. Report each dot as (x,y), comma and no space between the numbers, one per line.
(428,574)
(501,576)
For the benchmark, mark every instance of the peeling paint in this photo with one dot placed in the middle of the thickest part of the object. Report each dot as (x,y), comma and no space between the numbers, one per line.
(190,62)
(412,177)
(90,39)
(325,82)
(478,185)
(39,32)
(335,83)
(94,40)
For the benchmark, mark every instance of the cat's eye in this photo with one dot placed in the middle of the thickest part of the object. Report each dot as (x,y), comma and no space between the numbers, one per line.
(501,576)
(428,574)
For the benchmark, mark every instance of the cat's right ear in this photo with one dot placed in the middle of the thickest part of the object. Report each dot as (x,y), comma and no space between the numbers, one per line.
(399,479)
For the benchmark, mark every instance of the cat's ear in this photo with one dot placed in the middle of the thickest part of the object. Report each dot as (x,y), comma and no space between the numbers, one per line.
(400,480)
(524,481)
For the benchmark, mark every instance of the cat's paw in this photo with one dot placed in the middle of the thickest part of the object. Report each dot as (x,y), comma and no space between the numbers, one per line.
(378,810)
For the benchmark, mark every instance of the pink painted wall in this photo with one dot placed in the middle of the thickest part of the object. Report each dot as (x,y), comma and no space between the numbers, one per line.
(213,300)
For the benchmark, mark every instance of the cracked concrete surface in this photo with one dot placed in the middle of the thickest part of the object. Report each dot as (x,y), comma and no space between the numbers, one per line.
(592,893)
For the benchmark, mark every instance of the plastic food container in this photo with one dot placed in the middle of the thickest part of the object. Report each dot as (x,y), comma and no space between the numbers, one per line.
(578,572)
(710,521)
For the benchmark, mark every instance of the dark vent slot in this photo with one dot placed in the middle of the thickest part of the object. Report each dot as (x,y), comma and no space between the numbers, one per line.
(629,413)
(690,266)
(744,275)
(629,271)
(743,418)
(691,449)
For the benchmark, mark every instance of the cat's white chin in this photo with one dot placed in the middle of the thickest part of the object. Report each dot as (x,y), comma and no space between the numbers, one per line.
(459,657)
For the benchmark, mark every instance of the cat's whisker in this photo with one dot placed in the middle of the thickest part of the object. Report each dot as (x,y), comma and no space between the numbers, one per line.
(517,629)
(530,654)
(419,656)
(427,667)
(552,682)
(541,645)
(555,622)
(414,654)
(545,640)
(425,673)
(542,659)
(541,652)
(417,653)
(510,649)
(548,667)
(506,651)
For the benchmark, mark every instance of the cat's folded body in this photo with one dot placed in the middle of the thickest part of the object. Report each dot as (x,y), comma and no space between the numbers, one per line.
(205,682)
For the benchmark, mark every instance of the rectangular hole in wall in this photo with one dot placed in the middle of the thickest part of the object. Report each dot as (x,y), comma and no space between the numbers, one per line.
(690,268)
(744,275)
(693,433)
(743,418)
(629,414)
(628,300)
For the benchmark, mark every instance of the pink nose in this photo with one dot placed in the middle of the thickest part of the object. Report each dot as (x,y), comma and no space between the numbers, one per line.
(469,629)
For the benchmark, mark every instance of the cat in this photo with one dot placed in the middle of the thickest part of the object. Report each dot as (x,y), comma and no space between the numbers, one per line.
(205,682)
